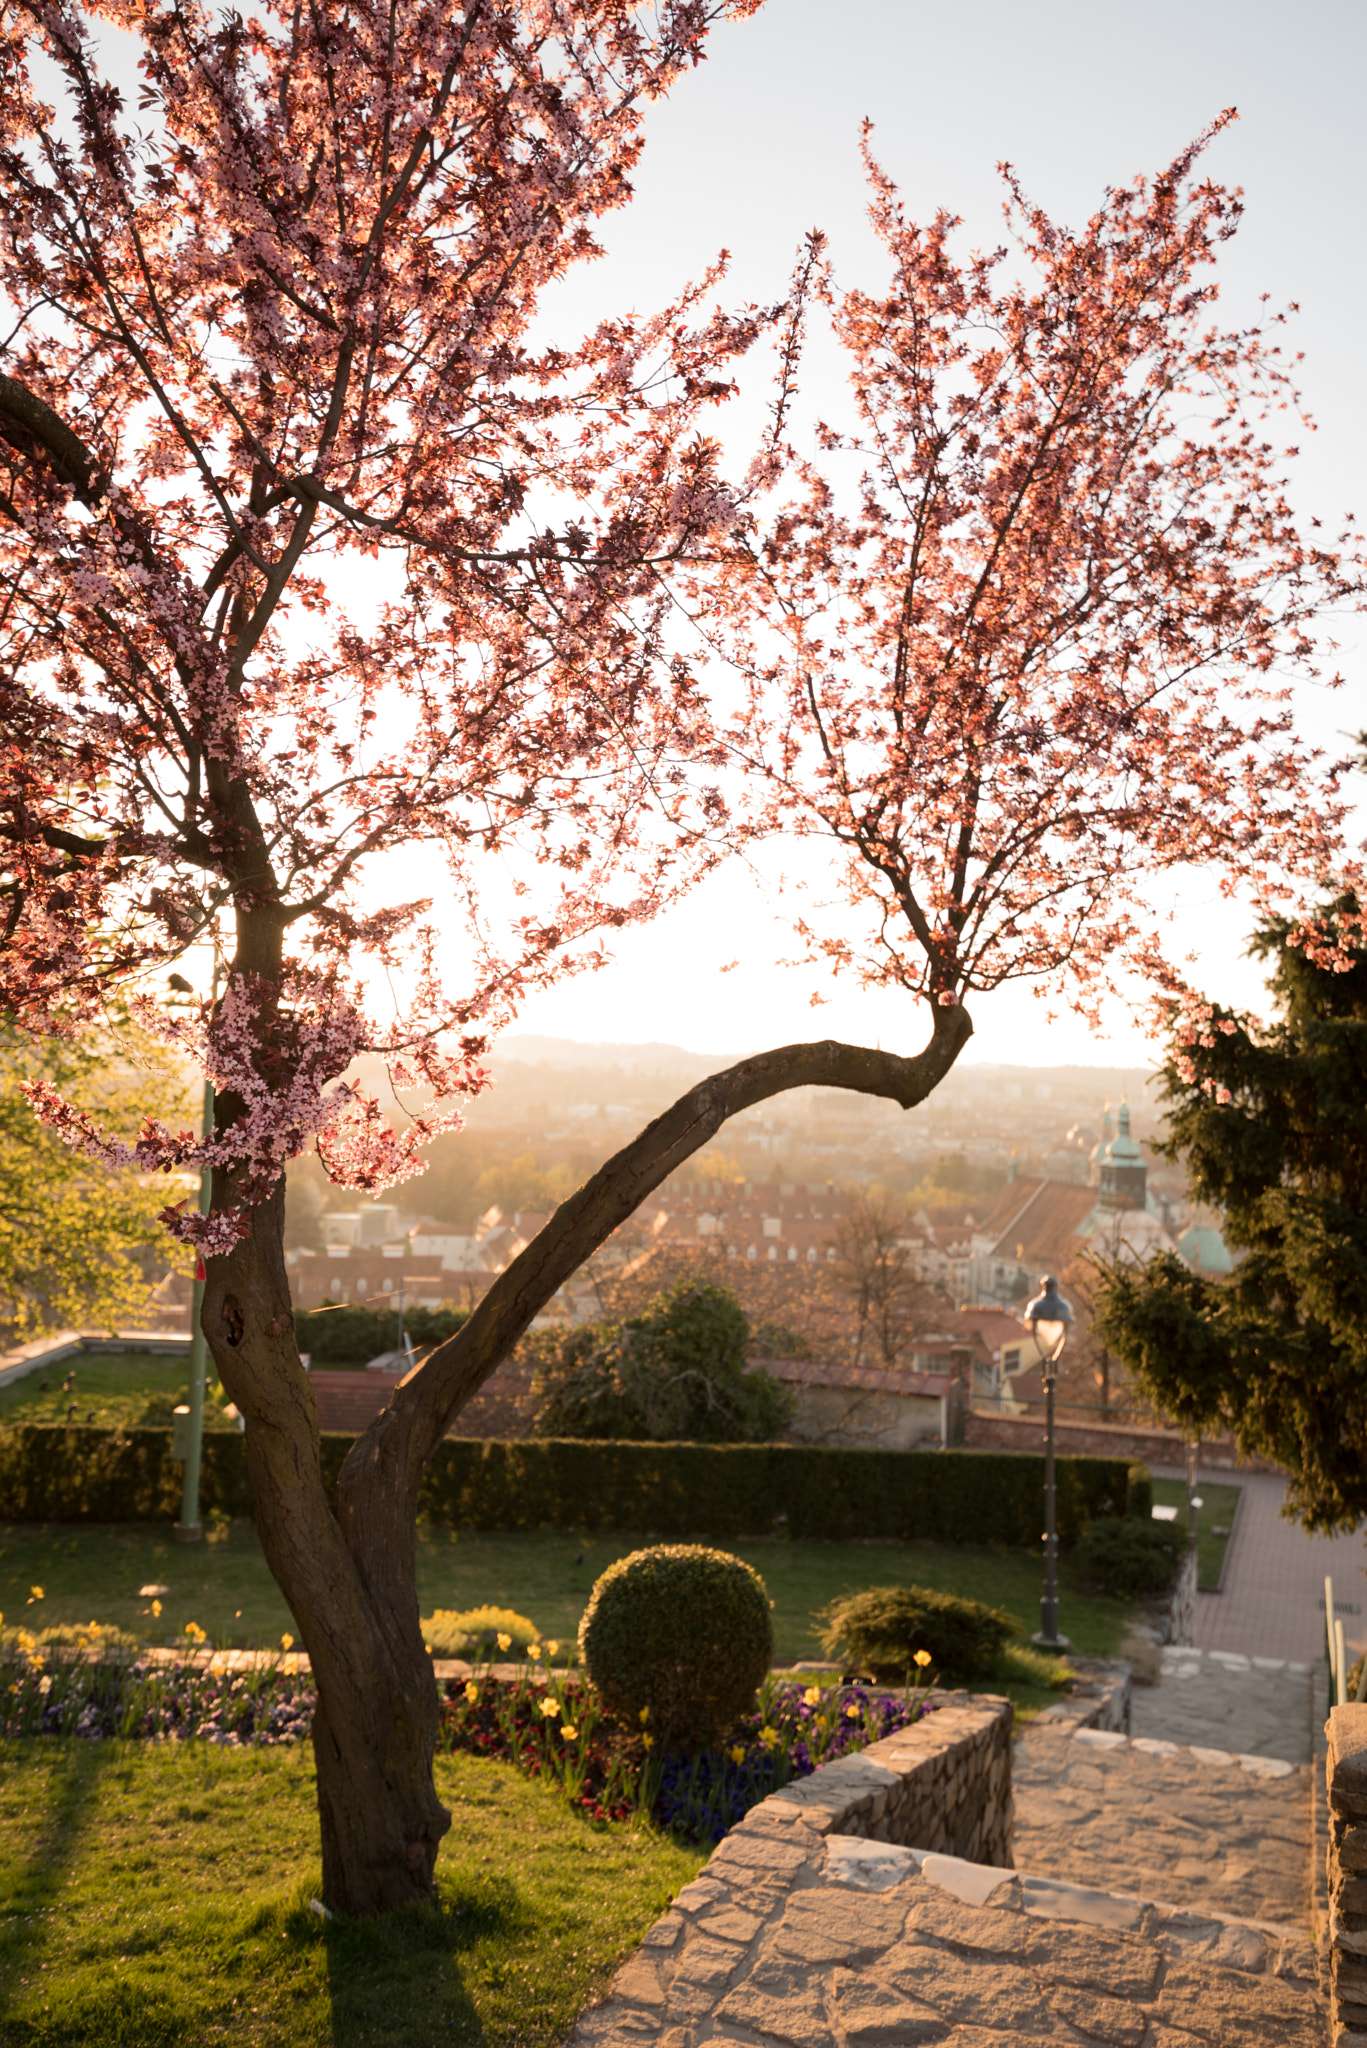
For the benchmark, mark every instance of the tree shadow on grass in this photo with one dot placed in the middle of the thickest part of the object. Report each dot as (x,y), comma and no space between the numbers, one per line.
(410,1976)
(123,2020)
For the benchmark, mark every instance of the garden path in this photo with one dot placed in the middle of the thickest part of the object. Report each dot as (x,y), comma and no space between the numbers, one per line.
(1192,1827)
(1271,1602)
(1218,1699)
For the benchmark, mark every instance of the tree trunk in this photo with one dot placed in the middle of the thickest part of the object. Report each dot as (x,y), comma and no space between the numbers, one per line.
(375,1727)
(350,1577)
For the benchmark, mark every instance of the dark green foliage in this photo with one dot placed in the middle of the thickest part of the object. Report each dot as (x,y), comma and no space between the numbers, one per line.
(676,1371)
(1271,1125)
(55,1474)
(351,1336)
(1129,1559)
(1139,1493)
(881,1629)
(678,1639)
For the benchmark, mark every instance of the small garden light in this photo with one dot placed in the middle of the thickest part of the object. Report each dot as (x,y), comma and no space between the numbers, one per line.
(1048,1317)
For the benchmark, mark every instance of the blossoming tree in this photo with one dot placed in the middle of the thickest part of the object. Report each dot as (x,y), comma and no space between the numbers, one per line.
(1024,643)
(284,328)
(310,551)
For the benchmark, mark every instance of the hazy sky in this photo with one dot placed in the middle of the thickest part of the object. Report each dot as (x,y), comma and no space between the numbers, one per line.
(762,142)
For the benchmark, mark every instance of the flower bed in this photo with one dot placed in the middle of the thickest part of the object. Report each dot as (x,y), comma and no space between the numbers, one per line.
(554,1730)
(545,1723)
(77,1689)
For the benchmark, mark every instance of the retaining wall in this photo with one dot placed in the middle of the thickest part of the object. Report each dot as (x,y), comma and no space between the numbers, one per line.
(1346,1875)
(943,1784)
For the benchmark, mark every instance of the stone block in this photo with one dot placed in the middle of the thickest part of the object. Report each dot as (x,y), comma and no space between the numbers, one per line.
(706,1963)
(1349,1974)
(731,1923)
(761,1852)
(786,2006)
(871,2016)
(638,1983)
(1348,1847)
(1236,2010)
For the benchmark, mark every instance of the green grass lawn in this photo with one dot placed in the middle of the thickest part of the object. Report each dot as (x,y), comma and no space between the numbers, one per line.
(154,1896)
(114,1389)
(1219,1503)
(92,1572)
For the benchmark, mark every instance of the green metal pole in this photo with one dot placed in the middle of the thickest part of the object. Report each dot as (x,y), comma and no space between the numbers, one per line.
(187,1528)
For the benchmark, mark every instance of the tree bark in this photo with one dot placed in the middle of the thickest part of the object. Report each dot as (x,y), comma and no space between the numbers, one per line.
(350,1578)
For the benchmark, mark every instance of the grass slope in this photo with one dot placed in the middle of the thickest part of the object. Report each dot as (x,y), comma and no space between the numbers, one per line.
(1219,1504)
(153,1896)
(92,1573)
(112,1390)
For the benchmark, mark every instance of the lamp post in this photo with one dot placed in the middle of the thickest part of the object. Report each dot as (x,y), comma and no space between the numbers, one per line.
(1048,1317)
(188,1528)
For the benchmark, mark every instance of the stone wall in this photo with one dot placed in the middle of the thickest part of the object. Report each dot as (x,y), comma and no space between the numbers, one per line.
(986,1431)
(1346,1874)
(942,1784)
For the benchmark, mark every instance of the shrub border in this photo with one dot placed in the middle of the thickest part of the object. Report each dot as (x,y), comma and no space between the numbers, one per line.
(54,1472)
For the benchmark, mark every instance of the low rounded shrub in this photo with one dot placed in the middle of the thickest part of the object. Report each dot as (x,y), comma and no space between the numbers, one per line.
(475,1633)
(1127,1558)
(881,1629)
(678,1638)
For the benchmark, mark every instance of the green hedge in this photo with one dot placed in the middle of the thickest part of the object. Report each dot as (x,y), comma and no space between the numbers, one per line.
(53,1473)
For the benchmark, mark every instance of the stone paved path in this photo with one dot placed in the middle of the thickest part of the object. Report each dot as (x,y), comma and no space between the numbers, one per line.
(1190,1827)
(841,1943)
(1219,1699)
(1274,1580)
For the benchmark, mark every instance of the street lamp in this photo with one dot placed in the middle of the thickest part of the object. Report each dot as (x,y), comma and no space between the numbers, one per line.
(1048,1317)
(189,1529)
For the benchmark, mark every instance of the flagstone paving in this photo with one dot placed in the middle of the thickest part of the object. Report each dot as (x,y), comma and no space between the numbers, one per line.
(1221,1699)
(1195,1827)
(847,1943)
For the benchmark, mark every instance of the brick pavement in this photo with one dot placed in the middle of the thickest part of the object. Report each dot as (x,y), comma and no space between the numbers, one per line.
(1270,1605)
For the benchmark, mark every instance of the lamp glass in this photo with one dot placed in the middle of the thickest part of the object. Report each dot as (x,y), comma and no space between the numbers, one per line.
(1049,1336)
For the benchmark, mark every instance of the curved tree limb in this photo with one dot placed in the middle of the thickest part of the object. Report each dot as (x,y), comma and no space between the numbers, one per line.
(30,426)
(383,1471)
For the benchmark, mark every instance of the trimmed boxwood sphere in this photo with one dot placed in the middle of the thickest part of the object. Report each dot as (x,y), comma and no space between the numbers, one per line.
(683,1631)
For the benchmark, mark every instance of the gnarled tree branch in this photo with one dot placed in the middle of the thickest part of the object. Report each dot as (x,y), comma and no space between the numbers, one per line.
(383,1471)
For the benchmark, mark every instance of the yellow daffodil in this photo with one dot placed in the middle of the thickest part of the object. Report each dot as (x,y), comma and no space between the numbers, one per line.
(821,1722)
(550,1708)
(922,1658)
(852,1712)
(34,1593)
(569,1731)
(505,1642)
(553,1649)
(643,1716)
(287,1642)
(156,1607)
(194,1632)
(647,1742)
(534,1652)
(738,1752)
(472,1692)
(291,1667)
(811,1696)
(770,1737)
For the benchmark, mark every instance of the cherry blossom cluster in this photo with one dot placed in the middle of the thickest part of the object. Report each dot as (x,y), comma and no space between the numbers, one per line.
(1022,640)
